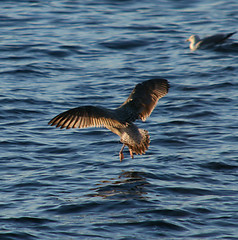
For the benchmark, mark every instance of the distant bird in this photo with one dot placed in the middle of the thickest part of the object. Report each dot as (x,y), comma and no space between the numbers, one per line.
(210,41)
(139,105)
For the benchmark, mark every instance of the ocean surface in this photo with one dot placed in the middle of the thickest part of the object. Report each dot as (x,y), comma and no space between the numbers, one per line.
(69,184)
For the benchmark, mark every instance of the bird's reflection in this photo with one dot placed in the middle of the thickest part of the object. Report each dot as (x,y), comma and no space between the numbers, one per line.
(128,185)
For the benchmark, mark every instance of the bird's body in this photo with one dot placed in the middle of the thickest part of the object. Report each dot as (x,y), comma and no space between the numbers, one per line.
(210,41)
(139,105)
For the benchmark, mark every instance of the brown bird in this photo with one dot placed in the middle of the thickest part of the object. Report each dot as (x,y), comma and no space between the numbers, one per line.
(139,105)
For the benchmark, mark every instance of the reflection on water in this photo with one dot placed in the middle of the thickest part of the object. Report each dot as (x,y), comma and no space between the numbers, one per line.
(128,185)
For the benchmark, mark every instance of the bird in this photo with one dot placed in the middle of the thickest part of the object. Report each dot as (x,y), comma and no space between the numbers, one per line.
(139,105)
(210,41)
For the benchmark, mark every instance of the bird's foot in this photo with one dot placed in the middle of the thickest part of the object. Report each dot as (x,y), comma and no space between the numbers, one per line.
(121,155)
(131,153)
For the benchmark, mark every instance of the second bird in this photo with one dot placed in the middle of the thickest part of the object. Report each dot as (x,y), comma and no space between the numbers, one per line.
(210,41)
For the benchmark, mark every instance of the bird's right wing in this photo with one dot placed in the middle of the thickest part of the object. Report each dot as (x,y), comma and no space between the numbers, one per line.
(86,116)
(143,99)
(216,39)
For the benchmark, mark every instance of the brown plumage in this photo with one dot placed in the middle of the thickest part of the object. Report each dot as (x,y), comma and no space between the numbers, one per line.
(139,105)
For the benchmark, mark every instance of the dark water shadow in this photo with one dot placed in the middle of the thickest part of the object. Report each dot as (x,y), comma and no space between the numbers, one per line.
(231,48)
(128,185)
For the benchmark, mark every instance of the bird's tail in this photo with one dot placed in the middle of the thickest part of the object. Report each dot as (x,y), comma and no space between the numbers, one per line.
(141,147)
(230,34)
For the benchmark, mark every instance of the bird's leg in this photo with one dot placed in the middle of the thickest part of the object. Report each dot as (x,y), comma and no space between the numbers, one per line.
(131,153)
(121,155)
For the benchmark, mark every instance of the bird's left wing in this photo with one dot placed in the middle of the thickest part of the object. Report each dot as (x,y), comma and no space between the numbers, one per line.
(143,99)
(86,116)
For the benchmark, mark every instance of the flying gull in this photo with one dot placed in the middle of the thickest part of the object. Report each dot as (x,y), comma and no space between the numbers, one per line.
(139,105)
(210,41)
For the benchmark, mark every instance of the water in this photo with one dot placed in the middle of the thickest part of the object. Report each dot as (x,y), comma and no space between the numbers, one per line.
(70,184)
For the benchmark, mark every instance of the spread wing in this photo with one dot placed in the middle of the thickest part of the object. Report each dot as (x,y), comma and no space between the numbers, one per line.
(86,116)
(143,99)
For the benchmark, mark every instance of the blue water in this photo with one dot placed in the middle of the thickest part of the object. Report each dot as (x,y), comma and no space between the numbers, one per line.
(69,184)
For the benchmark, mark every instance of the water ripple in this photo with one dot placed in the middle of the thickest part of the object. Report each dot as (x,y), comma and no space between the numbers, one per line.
(70,184)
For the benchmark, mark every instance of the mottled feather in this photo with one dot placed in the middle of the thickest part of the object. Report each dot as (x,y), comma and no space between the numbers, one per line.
(139,104)
(143,99)
(86,116)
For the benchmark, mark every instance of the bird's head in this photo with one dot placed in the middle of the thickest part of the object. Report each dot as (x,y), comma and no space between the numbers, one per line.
(193,39)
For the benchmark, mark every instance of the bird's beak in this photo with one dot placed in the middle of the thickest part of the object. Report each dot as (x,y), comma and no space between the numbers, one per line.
(187,40)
